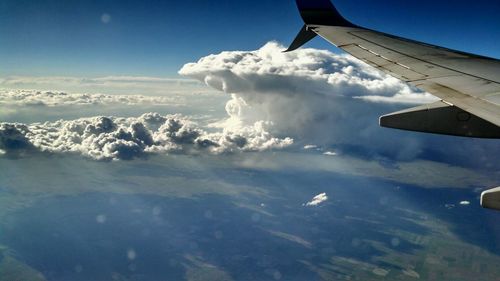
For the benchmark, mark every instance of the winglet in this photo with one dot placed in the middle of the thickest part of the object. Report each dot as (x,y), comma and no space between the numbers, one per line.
(304,36)
(316,12)
(321,12)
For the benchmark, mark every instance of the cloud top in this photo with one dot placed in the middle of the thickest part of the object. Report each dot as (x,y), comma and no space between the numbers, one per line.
(309,71)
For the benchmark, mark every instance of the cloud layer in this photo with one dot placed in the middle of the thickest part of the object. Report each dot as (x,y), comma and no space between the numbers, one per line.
(319,99)
(108,84)
(108,138)
(52,98)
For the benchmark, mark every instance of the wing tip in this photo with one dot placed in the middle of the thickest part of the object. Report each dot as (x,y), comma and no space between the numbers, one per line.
(321,12)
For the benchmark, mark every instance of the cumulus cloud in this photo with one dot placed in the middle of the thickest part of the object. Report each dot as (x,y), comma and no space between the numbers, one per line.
(111,138)
(318,199)
(310,146)
(53,98)
(13,137)
(327,99)
(314,95)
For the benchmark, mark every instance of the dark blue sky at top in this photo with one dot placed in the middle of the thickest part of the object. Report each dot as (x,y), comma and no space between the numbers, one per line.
(155,38)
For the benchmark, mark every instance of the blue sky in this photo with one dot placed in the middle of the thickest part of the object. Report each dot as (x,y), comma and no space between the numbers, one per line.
(155,38)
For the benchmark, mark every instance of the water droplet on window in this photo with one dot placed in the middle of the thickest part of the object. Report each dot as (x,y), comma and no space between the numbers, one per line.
(101,218)
(105,18)
(131,254)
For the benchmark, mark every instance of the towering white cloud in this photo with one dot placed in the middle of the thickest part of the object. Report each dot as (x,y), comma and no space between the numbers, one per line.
(314,95)
(106,138)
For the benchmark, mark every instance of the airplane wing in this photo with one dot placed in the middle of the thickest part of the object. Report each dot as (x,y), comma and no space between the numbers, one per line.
(467,84)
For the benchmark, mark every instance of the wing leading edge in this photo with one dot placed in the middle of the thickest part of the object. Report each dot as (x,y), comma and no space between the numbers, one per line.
(467,84)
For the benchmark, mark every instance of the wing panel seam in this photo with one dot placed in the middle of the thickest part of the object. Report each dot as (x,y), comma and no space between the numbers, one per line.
(424,61)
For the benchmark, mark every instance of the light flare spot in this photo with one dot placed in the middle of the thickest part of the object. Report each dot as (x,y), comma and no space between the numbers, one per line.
(105,18)
(131,254)
(101,219)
